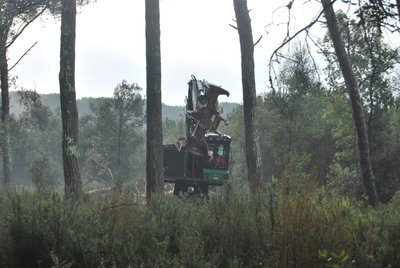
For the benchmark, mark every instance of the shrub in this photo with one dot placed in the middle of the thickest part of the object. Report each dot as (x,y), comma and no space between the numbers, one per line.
(43,174)
(309,229)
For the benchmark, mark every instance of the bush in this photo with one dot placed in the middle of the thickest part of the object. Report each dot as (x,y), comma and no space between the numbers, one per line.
(37,226)
(301,229)
(43,174)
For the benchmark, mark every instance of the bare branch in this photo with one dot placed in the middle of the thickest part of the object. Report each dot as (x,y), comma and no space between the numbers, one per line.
(26,25)
(259,39)
(289,7)
(309,53)
(23,55)
(104,167)
(233,26)
(287,40)
(99,180)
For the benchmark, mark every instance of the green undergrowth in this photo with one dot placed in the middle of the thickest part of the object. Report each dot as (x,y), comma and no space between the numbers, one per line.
(303,229)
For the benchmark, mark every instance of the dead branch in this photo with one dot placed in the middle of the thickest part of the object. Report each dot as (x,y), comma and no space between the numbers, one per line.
(287,40)
(99,180)
(233,26)
(99,191)
(259,39)
(140,192)
(104,167)
(20,31)
(23,55)
(309,51)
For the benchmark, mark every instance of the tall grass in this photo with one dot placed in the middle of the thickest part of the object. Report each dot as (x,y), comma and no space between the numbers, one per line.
(274,229)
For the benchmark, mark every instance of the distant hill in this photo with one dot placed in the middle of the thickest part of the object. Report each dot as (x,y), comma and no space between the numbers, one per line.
(228,107)
(173,112)
(53,102)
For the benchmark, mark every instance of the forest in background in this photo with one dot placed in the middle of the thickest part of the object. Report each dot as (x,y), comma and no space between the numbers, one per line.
(36,134)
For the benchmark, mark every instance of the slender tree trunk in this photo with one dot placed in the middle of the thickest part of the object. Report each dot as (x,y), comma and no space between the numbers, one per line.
(398,8)
(356,104)
(69,112)
(154,158)
(249,93)
(5,113)
(119,146)
(119,140)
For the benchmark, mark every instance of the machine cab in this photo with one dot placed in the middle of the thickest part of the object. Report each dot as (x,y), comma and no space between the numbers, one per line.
(216,166)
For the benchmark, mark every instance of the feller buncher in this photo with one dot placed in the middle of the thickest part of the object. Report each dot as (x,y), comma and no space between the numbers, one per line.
(201,159)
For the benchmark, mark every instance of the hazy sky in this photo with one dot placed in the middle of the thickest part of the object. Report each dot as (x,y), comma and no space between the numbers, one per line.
(195,39)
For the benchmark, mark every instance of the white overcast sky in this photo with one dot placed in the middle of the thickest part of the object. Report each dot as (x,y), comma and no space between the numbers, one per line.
(195,39)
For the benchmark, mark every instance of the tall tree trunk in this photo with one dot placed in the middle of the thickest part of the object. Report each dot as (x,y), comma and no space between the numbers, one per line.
(398,8)
(249,92)
(69,112)
(5,113)
(356,103)
(119,141)
(154,158)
